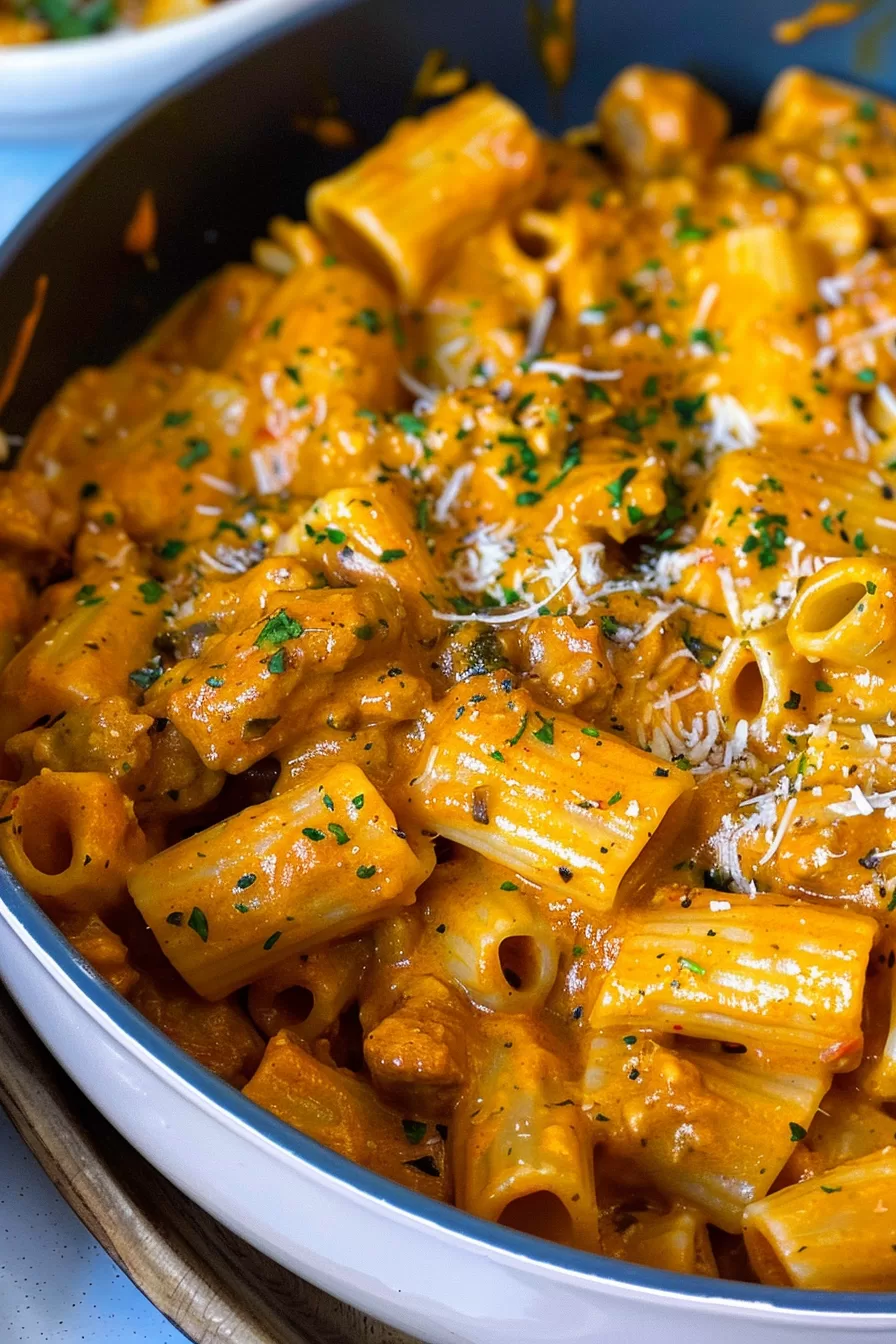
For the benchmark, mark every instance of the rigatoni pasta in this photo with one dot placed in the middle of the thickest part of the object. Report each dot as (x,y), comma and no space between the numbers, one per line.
(229,903)
(447,674)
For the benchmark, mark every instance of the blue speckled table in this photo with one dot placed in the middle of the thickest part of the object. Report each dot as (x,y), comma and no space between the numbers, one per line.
(57,1285)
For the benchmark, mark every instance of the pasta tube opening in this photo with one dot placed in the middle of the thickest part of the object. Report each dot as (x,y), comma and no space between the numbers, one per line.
(845,612)
(541,1214)
(404,209)
(71,839)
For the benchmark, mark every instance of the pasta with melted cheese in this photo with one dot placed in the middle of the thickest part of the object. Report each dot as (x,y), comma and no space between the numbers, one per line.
(448,673)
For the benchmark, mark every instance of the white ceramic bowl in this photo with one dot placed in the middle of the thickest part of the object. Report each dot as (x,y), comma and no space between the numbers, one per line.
(439,1274)
(430,1270)
(82,88)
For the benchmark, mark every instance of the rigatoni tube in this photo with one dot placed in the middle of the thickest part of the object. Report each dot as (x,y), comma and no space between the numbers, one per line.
(846,612)
(521,1145)
(545,795)
(677,1240)
(836,1231)
(489,936)
(71,839)
(772,973)
(404,209)
(339,1109)
(713,1129)
(229,904)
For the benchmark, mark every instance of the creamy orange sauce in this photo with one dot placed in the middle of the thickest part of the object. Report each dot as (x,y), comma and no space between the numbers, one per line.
(447,671)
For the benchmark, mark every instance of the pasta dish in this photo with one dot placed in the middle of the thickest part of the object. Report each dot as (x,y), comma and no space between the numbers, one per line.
(25,21)
(449,672)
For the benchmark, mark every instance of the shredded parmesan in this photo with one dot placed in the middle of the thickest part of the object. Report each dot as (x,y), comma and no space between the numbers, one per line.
(271,468)
(441,510)
(482,556)
(871,333)
(885,395)
(704,306)
(519,612)
(421,391)
(862,432)
(861,804)
(737,746)
(729,592)
(591,557)
(730,427)
(216,483)
(834,288)
(539,328)
(789,809)
(565,370)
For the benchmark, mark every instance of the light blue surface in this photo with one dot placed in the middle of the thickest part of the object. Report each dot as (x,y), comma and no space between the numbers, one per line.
(57,1285)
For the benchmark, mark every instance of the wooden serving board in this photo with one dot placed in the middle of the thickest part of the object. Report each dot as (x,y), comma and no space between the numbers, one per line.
(205,1280)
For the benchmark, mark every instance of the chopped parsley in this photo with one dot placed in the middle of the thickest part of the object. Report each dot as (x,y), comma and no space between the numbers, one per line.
(146,675)
(411,424)
(152,591)
(615,488)
(546,732)
(277,629)
(691,966)
(688,408)
(87,596)
(171,549)
(369,319)
(198,923)
(197,451)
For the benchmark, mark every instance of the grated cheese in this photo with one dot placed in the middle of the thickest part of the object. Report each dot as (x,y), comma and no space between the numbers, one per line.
(271,469)
(834,288)
(729,592)
(216,483)
(539,328)
(871,333)
(481,557)
(737,746)
(861,804)
(730,427)
(565,370)
(591,557)
(441,510)
(704,305)
(520,611)
(427,395)
(862,432)
(789,809)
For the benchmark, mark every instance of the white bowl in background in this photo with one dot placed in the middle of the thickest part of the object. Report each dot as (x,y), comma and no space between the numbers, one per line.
(81,88)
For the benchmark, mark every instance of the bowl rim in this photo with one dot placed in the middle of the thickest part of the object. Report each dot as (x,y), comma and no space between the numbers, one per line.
(17,907)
